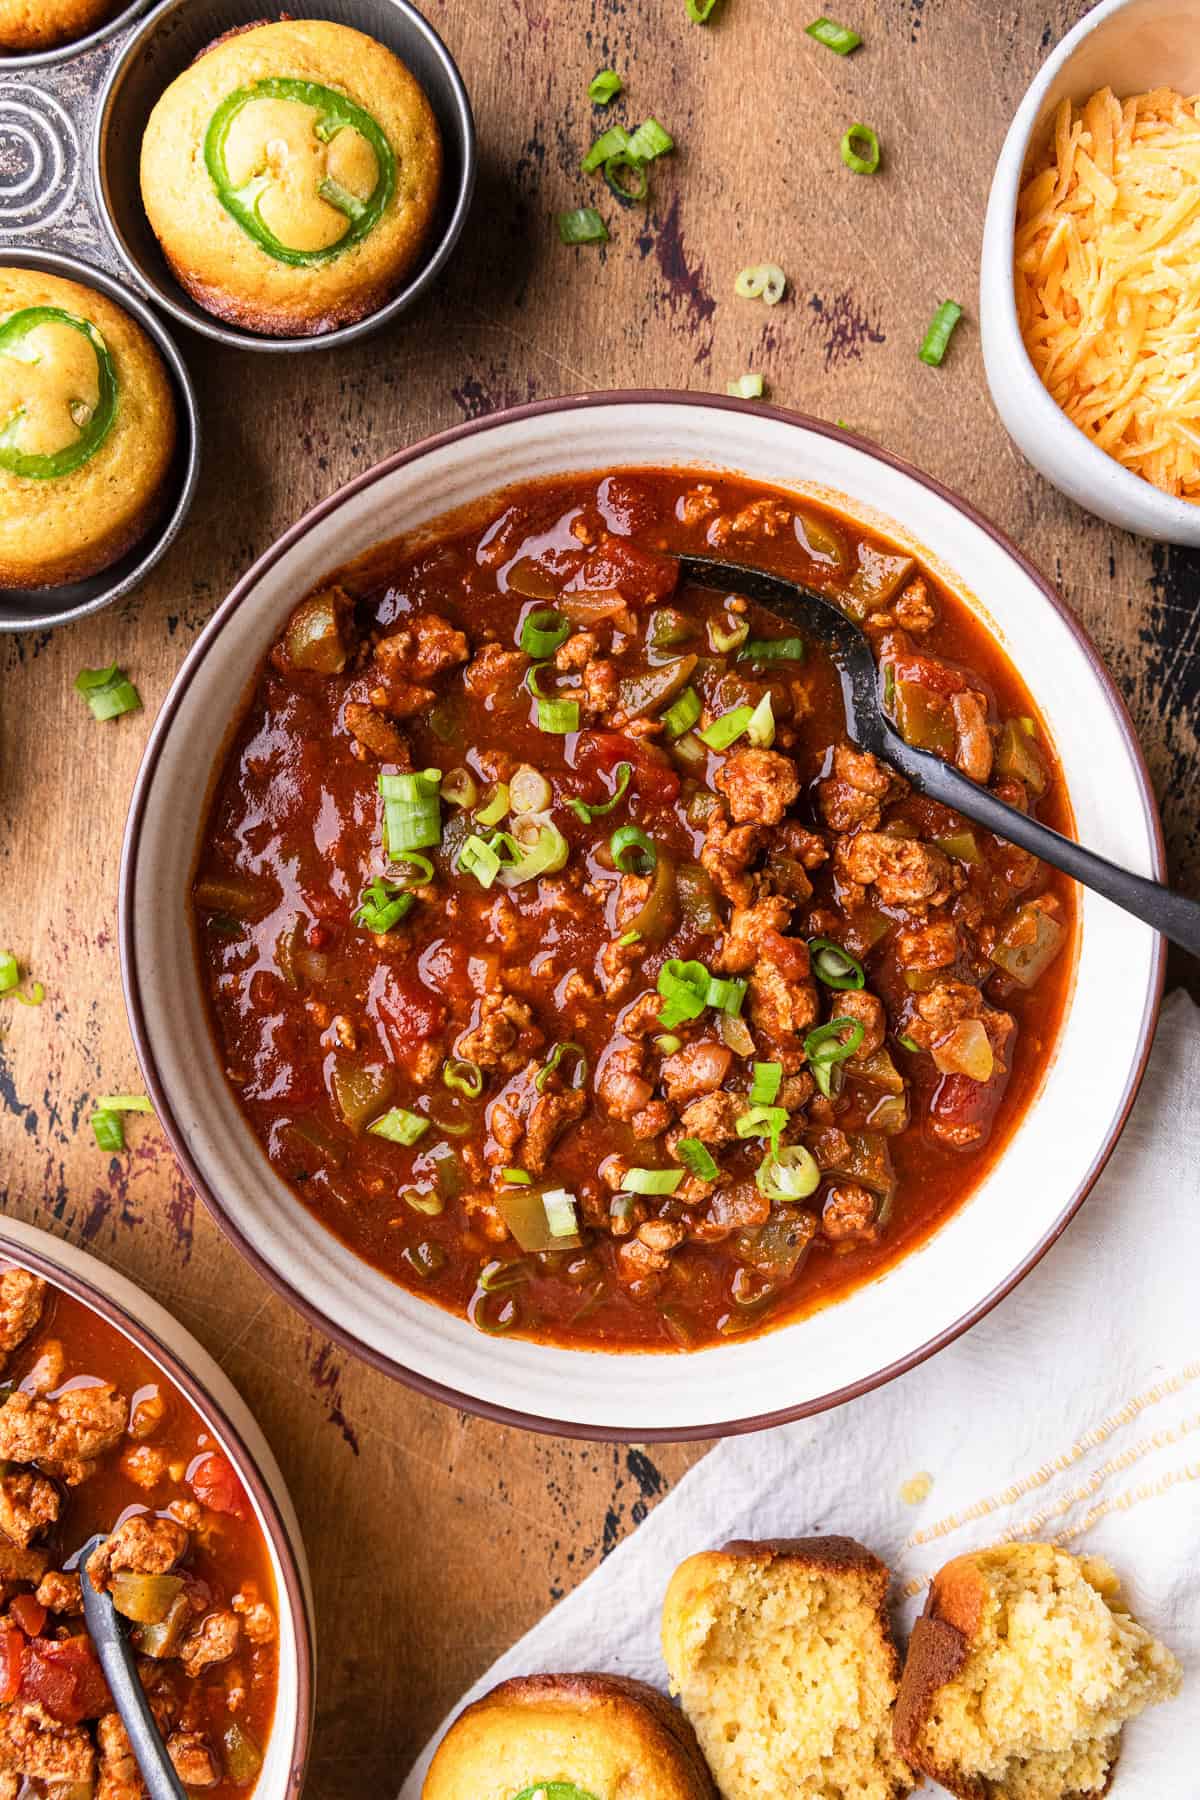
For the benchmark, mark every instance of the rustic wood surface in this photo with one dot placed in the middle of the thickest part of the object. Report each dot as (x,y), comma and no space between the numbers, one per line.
(436,1539)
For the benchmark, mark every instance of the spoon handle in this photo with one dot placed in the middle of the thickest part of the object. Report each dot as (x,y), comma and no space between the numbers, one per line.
(129,1696)
(1171,914)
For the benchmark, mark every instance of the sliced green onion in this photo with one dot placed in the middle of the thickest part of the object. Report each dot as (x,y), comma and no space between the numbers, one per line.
(761,281)
(790,1173)
(34,997)
(632,851)
(765,1083)
(412,814)
(582,226)
(682,714)
(604,87)
(628,191)
(460,788)
(909,1043)
(941,329)
(430,1205)
(649,142)
(834,37)
(629,937)
(541,853)
(835,966)
(382,905)
(123,1103)
(543,631)
(825,1048)
(684,988)
(727,729)
(399,1126)
(726,636)
(613,142)
(517,1177)
(761,729)
(108,692)
(760,650)
(10,972)
(495,809)
(587,812)
(696,1158)
(109,1131)
(553,714)
(480,859)
(863,160)
(529,791)
(651,1181)
(418,870)
(700,11)
(578,1074)
(763,1121)
(726,996)
(666,1043)
(494,1277)
(560,1213)
(467,1077)
(746,387)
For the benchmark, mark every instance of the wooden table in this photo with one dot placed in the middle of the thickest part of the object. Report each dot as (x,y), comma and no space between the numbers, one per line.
(506,1522)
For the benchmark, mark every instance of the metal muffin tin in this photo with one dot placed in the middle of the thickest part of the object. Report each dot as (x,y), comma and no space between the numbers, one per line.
(71,124)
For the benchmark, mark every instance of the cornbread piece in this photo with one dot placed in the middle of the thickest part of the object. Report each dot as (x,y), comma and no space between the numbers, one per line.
(291,175)
(87,430)
(29,25)
(1021,1672)
(783,1657)
(600,1735)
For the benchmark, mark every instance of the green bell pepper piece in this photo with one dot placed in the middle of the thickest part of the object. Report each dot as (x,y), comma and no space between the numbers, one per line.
(14,334)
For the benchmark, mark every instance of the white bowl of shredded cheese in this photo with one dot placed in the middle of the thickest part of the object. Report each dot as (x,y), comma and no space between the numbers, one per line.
(1090,288)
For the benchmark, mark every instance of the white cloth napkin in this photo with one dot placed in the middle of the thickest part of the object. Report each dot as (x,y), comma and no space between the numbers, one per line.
(1071,1412)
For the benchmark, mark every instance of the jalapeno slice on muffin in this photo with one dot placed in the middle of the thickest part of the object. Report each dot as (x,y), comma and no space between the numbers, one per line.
(58,395)
(304,170)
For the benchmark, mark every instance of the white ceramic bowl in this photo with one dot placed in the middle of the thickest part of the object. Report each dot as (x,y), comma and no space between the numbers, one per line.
(885,1326)
(1132,46)
(189,1367)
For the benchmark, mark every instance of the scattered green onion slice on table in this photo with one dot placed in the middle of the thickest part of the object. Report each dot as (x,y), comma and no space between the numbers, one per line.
(33,997)
(726,729)
(651,1181)
(746,387)
(458,1072)
(649,142)
(761,281)
(587,812)
(399,1126)
(696,1158)
(682,714)
(825,1048)
(941,329)
(108,692)
(835,966)
(582,225)
(789,1173)
(632,851)
(765,1083)
(700,11)
(604,87)
(613,142)
(109,1131)
(381,905)
(543,631)
(412,813)
(575,1077)
(760,650)
(626,178)
(835,37)
(123,1103)
(10,972)
(860,150)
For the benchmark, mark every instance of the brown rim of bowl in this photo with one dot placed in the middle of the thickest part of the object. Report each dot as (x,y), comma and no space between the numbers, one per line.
(162,1104)
(14,1250)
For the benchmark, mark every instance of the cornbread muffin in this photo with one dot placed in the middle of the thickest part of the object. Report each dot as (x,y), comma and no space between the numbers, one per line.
(87,428)
(782,1655)
(569,1737)
(291,175)
(1020,1674)
(27,25)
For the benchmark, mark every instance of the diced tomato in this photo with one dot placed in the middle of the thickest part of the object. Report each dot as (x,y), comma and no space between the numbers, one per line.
(637,575)
(405,1011)
(789,955)
(927,672)
(599,752)
(215,1485)
(12,1645)
(625,506)
(66,1678)
(960,1101)
(29,1613)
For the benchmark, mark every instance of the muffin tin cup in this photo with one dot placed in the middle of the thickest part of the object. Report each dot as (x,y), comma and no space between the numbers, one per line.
(35,608)
(164,44)
(103,34)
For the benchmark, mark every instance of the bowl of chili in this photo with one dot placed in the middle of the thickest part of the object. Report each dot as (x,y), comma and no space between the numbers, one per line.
(117,1421)
(566,967)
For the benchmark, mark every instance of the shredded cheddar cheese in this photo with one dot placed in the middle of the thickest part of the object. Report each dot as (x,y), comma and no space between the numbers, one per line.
(1107,278)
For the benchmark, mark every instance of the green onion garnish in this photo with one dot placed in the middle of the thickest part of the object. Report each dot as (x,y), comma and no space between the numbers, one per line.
(835,966)
(629,937)
(632,851)
(909,1043)
(626,179)
(542,855)
(761,281)
(529,791)
(651,1181)
(760,650)
(576,1077)
(467,1077)
(666,1043)
(417,870)
(860,150)
(696,1158)
(587,812)
(382,905)
(649,142)
(480,858)
(553,714)
(399,1126)
(726,996)
(34,997)
(412,813)
(746,387)
(761,728)
(941,329)
(727,729)
(700,11)
(561,1218)
(543,631)
(109,692)
(825,1048)
(123,1103)
(762,1121)
(583,225)
(109,1131)
(834,37)
(10,972)
(517,1177)
(604,87)
(790,1173)
(682,714)
(684,988)
(496,808)
(765,1083)
(613,142)
(459,788)
(726,634)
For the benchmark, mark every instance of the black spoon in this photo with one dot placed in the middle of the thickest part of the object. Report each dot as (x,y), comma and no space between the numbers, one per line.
(129,1697)
(869,727)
